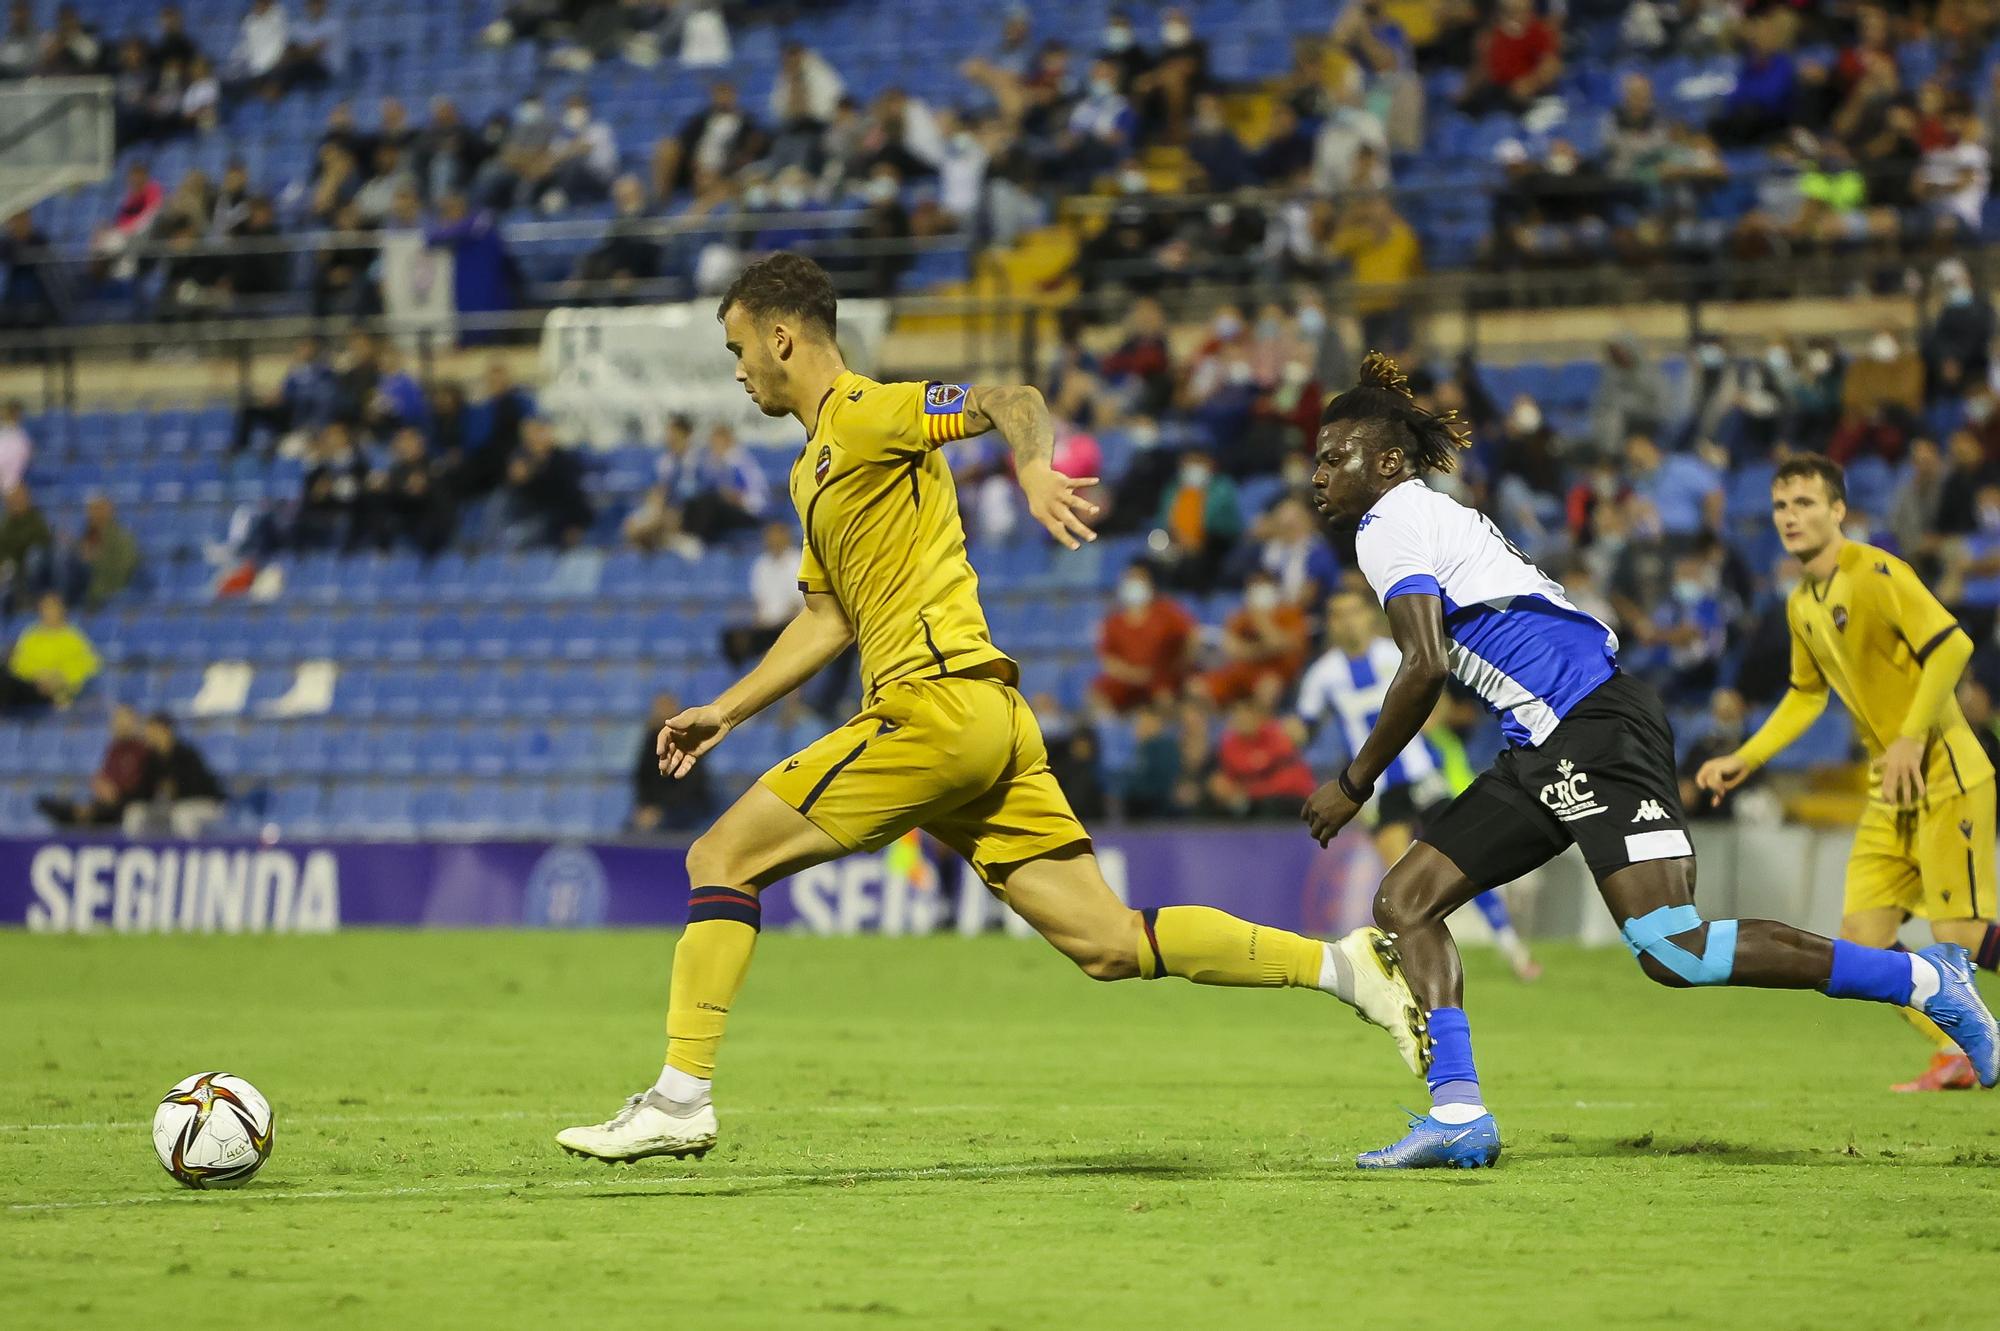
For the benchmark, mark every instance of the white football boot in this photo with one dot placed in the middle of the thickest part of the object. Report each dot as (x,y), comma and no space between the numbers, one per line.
(1382,994)
(648,1125)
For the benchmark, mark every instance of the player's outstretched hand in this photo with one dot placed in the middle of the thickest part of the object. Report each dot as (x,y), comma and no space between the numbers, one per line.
(1719,776)
(687,735)
(1327,812)
(1053,499)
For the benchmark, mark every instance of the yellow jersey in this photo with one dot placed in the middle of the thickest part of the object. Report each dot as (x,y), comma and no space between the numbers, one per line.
(882,531)
(1867,631)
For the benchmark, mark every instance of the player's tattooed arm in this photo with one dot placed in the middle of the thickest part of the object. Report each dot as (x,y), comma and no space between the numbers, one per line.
(1018,412)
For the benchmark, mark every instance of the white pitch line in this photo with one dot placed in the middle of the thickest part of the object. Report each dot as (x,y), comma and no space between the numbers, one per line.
(617,1182)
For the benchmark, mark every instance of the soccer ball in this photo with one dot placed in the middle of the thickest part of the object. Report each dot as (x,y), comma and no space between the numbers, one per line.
(213,1130)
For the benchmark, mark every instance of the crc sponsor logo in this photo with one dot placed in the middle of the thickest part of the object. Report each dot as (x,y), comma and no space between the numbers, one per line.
(182,889)
(1569,797)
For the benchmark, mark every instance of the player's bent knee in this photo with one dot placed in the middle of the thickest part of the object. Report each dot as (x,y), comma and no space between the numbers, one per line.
(1410,896)
(712,862)
(1664,942)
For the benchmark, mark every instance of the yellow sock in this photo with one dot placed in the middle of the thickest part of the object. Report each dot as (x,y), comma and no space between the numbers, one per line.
(1929,1029)
(710,962)
(1209,946)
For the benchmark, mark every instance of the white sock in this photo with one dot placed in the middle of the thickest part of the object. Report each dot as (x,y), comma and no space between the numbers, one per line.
(681,1090)
(1924,981)
(1456,1113)
(1336,977)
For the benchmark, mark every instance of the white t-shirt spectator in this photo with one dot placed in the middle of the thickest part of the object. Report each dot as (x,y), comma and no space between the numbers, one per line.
(823,91)
(16,449)
(774,588)
(600,152)
(718,133)
(261,43)
(962,176)
(327,33)
(1968,163)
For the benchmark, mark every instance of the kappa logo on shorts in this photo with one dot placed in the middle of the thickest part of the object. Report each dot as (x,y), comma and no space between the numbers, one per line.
(1569,797)
(1649,812)
(822,464)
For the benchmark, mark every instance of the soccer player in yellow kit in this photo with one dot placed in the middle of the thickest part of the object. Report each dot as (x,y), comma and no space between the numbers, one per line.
(1863,624)
(944,740)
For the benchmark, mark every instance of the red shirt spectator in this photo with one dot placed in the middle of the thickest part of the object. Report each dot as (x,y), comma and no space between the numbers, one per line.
(143,197)
(1264,640)
(1143,645)
(1516,45)
(1258,764)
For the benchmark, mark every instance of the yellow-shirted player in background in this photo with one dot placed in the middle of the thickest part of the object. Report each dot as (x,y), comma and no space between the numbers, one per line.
(1864,624)
(944,740)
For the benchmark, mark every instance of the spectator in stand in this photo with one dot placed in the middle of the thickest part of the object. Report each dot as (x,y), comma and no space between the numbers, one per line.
(199,109)
(1293,550)
(20,44)
(628,255)
(714,144)
(1173,77)
(1216,148)
(1971,471)
(493,429)
(546,505)
(343,283)
(1631,396)
(51,663)
(1150,783)
(1382,256)
(330,493)
(1259,772)
(655,527)
(1889,378)
(803,99)
(1201,518)
(132,95)
(1143,646)
(775,599)
(1638,143)
(304,400)
(1683,489)
(446,154)
(1101,130)
(141,203)
(582,159)
(17,449)
(390,176)
(1348,128)
(103,560)
(1723,735)
(727,490)
(1517,60)
(71,47)
(1915,507)
(316,49)
(1957,347)
(181,795)
(25,302)
(410,501)
(482,273)
(1141,367)
(663,803)
(258,57)
(1263,641)
(120,776)
(262,268)
(26,546)
(521,158)
(1691,631)
(1954,177)
(1762,104)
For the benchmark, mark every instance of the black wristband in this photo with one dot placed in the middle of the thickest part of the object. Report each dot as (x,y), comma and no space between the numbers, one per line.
(1349,789)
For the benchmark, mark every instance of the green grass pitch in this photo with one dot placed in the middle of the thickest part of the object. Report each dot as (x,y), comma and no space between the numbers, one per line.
(960,1133)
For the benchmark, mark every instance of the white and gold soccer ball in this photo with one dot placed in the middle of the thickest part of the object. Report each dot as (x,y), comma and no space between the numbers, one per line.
(213,1130)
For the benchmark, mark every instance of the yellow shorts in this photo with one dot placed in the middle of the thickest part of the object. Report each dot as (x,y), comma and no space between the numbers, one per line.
(961,758)
(1937,865)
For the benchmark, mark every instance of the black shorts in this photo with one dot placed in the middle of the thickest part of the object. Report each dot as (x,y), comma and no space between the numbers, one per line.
(1412,803)
(1605,779)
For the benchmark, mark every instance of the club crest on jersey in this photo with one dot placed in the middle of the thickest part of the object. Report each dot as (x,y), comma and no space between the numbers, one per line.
(1569,796)
(943,399)
(822,464)
(1840,618)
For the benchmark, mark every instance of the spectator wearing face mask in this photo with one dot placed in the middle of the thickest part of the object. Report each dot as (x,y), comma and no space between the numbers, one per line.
(1690,631)
(1914,508)
(1258,772)
(1631,395)
(1956,346)
(1722,735)
(1887,376)
(1264,640)
(1684,489)
(1201,518)
(1143,645)
(1101,130)
(1971,582)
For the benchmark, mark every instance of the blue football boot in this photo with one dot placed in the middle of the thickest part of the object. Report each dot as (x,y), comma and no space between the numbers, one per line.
(1958,1009)
(1434,1145)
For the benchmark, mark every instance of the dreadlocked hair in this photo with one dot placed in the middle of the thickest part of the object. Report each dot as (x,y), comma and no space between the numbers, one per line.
(1381,400)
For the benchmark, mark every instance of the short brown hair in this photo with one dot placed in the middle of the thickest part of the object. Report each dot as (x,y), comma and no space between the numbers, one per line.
(784,283)
(1801,465)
